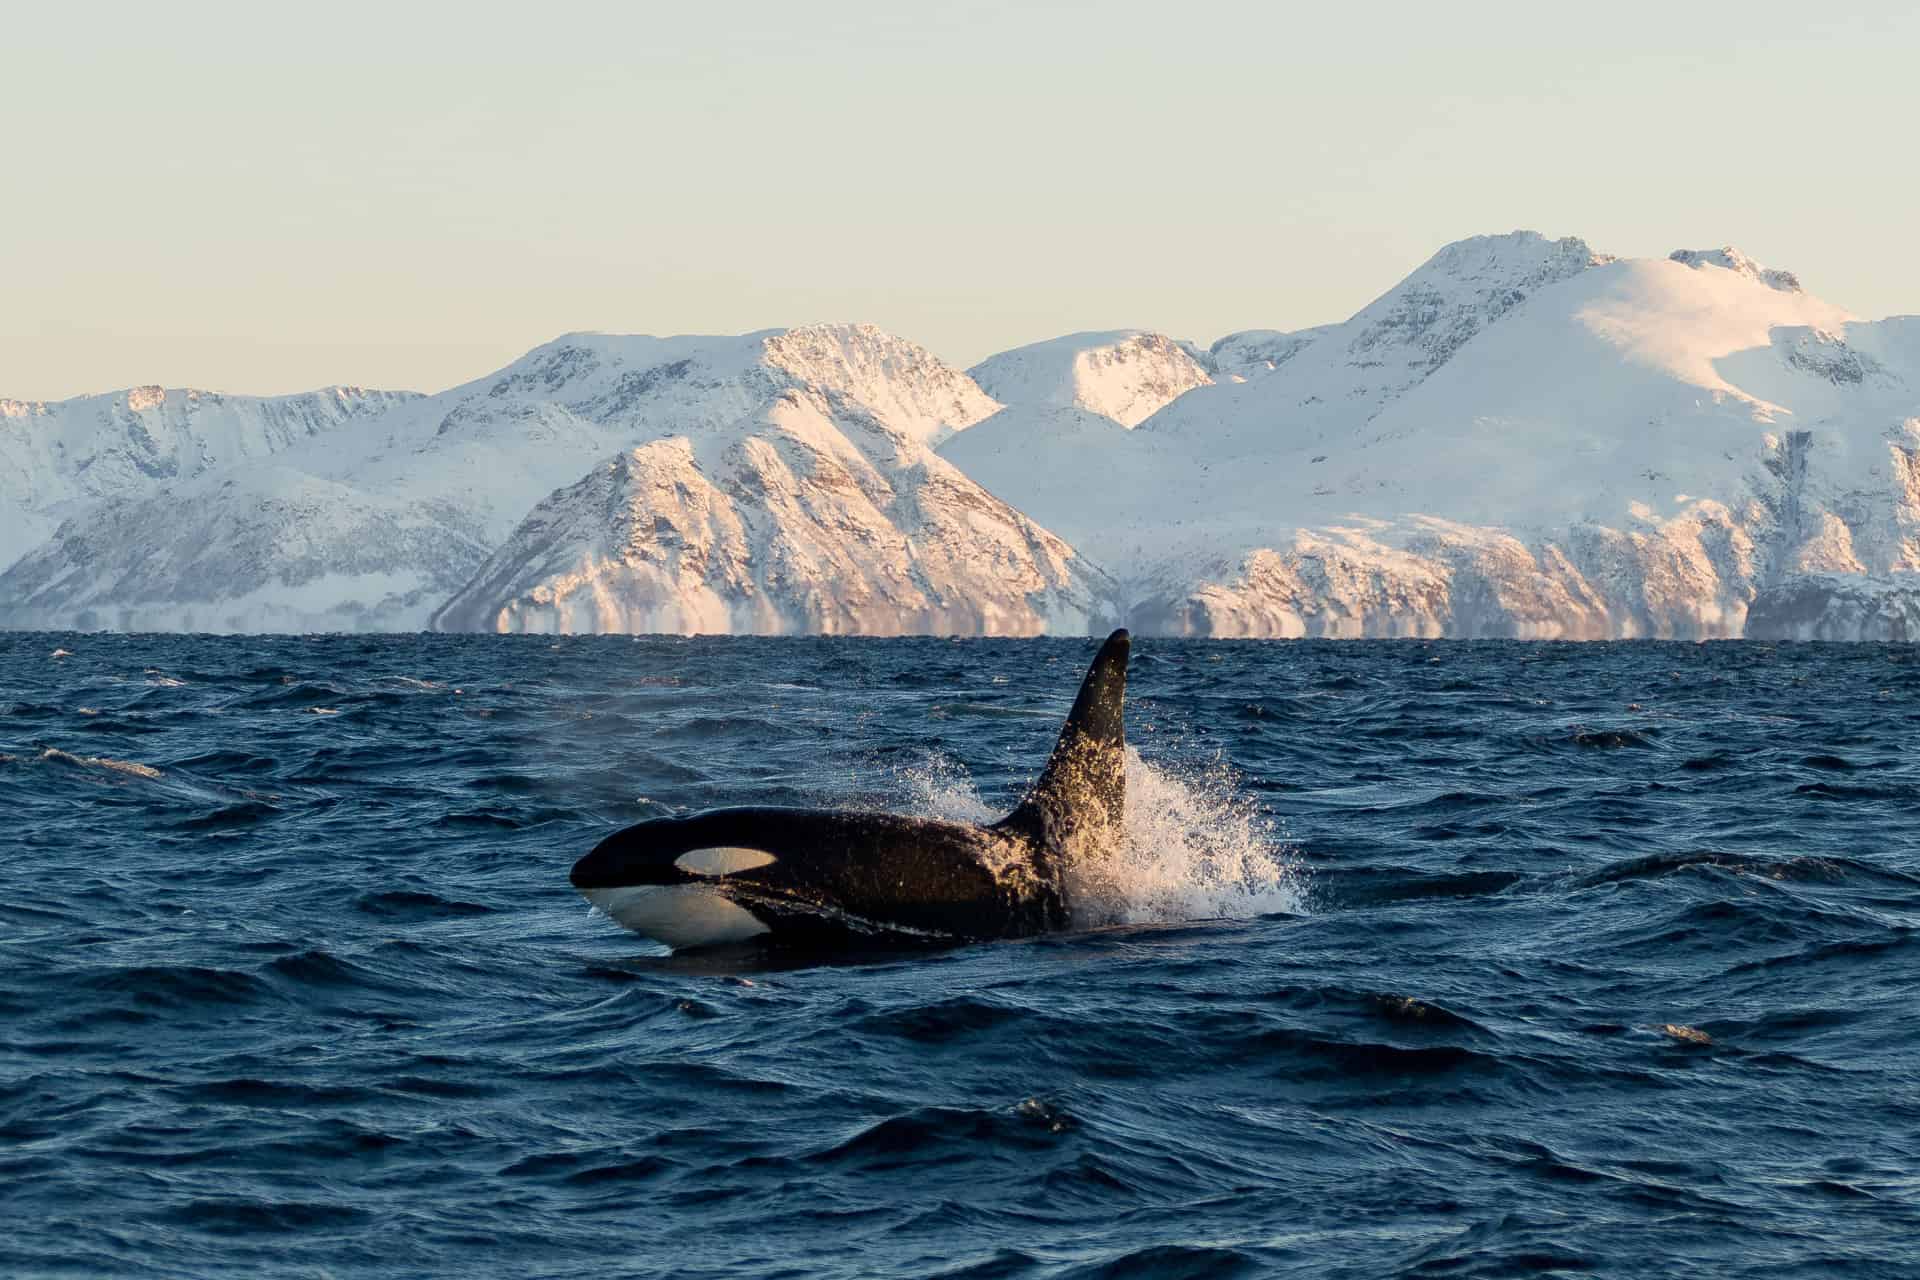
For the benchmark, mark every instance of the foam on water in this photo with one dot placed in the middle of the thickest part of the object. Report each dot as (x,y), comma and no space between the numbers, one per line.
(133,767)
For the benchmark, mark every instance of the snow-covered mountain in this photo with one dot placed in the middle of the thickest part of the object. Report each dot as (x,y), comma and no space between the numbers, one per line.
(1524,437)
(1126,375)
(267,549)
(56,458)
(375,527)
(809,515)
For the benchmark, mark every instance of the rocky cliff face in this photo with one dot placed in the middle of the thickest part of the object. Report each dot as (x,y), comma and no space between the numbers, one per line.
(1253,352)
(1838,607)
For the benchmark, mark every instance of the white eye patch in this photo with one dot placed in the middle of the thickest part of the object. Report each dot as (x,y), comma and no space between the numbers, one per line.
(723,861)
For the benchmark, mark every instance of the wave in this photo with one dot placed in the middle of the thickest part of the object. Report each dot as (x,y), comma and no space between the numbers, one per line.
(178,985)
(940,1022)
(935,1135)
(1162,1261)
(1656,865)
(405,904)
(246,813)
(701,728)
(249,1216)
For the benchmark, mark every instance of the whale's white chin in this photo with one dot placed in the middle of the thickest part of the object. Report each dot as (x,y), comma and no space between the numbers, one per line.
(681,916)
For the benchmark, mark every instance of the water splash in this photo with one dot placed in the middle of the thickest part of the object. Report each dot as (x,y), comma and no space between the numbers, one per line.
(938,786)
(1195,846)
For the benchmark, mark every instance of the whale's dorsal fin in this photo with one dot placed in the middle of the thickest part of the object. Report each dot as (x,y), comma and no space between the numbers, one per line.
(1083,789)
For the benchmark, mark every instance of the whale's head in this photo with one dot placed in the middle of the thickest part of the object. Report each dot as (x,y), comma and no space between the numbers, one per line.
(661,853)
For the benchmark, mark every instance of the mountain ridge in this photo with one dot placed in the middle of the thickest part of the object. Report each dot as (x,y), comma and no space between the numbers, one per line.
(1523,437)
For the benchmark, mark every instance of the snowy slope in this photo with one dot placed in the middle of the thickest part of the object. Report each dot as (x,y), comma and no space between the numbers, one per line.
(283,551)
(57,457)
(1126,374)
(1344,374)
(670,385)
(1252,352)
(805,517)
(1093,474)
(1663,439)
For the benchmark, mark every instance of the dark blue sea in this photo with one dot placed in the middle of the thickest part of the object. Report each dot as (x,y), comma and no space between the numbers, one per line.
(1429,959)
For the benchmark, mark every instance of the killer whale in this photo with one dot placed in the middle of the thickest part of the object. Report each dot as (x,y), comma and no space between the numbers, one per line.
(822,876)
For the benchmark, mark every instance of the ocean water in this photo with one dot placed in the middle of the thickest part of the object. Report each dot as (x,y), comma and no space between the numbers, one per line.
(1448,959)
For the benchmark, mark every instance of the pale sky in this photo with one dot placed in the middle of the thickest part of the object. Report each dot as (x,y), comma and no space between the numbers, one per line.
(262,198)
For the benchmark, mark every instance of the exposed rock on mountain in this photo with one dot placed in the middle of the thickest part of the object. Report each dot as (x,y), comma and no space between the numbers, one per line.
(1731,259)
(1838,607)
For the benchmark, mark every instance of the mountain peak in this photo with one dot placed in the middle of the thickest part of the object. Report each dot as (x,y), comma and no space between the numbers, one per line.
(1731,259)
(1475,253)
(1416,326)
(1123,374)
